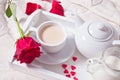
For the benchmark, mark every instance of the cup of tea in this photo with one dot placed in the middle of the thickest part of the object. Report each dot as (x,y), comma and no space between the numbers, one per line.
(52,36)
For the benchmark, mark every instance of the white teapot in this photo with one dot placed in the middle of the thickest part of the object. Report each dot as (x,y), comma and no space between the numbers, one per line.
(94,36)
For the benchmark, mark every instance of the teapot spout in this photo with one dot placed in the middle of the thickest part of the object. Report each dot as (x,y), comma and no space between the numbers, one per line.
(78,21)
(76,18)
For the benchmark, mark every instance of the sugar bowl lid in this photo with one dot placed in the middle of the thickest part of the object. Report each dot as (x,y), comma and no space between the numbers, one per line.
(100,31)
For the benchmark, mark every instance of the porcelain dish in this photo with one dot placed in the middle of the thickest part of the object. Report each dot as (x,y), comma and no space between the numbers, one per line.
(93,37)
(32,22)
(61,56)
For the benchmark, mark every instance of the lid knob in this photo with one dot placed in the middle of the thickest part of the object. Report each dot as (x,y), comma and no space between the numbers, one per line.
(100,30)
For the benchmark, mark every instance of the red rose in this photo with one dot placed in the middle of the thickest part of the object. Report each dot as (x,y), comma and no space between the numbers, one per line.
(57,8)
(27,50)
(31,7)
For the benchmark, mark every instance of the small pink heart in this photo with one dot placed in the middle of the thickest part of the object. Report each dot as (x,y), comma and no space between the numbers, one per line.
(68,75)
(75,78)
(64,66)
(73,67)
(74,58)
(66,71)
(73,73)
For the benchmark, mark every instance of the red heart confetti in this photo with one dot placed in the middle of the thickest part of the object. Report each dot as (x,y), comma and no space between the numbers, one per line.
(73,73)
(74,58)
(73,67)
(64,66)
(66,71)
(75,78)
(68,75)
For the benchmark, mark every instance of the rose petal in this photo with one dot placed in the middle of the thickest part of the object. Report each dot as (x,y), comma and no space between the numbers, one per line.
(31,7)
(57,8)
(27,50)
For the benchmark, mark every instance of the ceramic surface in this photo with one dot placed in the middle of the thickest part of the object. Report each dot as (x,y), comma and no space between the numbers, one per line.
(60,57)
(34,20)
(93,37)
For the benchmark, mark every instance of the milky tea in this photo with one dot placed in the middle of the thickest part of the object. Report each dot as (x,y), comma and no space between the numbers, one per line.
(52,34)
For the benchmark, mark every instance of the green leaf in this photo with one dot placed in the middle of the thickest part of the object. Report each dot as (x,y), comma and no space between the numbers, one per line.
(13,9)
(8,12)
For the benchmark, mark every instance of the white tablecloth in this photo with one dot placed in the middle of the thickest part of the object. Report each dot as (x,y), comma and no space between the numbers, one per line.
(106,10)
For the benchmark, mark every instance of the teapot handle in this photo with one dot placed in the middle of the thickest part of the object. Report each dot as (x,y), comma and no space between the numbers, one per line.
(92,65)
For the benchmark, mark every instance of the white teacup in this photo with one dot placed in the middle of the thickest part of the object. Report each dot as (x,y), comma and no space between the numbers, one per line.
(52,36)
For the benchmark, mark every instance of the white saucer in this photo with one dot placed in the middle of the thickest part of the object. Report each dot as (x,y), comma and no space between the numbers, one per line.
(61,56)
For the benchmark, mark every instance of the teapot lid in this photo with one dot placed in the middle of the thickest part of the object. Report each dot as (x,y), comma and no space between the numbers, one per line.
(100,31)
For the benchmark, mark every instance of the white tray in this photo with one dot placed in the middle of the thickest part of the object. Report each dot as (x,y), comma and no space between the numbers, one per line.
(55,71)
